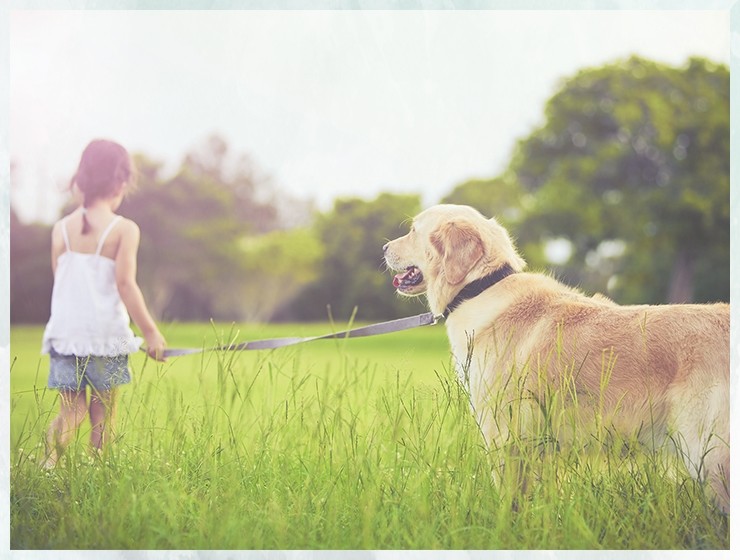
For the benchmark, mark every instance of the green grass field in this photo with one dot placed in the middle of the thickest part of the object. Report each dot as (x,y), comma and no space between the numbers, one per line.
(351,444)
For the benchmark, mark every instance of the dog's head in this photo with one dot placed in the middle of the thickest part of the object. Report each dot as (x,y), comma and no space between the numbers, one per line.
(448,247)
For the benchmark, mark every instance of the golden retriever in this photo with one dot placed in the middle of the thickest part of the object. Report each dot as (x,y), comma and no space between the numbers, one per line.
(658,373)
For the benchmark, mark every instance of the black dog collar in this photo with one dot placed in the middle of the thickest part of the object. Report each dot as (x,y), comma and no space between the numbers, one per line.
(477,287)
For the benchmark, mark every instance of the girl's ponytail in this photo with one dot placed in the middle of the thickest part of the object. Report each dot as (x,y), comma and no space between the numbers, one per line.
(85,222)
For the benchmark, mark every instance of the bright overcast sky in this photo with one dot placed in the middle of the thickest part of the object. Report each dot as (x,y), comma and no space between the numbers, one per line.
(326,103)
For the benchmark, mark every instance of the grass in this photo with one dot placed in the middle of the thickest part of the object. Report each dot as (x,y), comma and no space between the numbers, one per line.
(353,444)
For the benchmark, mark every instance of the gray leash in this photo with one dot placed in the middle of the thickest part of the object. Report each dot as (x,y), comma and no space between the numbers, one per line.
(370,330)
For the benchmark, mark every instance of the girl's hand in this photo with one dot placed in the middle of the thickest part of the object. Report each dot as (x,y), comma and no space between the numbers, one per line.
(155,345)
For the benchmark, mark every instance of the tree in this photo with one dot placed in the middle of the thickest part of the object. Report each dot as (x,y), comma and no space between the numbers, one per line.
(278,265)
(501,198)
(635,155)
(30,271)
(254,196)
(190,260)
(352,274)
(211,247)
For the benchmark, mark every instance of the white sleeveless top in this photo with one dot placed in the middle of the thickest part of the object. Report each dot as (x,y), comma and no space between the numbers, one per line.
(88,317)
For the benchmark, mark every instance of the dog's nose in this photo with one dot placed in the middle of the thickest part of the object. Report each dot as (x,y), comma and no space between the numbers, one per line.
(385,247)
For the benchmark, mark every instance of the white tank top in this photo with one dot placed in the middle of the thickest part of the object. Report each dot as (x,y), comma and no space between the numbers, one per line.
(88,317)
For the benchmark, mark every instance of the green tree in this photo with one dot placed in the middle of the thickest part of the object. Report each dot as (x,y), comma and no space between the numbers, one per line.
(632,168)
(30,271)
(254,197)
(501,197)
(190,260)
(211,244)
(352,273)
(278,265)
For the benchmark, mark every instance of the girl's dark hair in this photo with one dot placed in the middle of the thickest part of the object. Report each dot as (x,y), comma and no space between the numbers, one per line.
(104,166)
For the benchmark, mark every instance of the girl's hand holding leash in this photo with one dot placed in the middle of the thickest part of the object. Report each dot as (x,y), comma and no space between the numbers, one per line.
(155,345)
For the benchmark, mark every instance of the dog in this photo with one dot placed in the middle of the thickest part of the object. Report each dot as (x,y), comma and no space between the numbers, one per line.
(657,373)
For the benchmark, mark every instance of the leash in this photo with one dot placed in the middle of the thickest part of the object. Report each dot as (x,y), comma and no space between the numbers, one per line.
(470,291)
(386,327)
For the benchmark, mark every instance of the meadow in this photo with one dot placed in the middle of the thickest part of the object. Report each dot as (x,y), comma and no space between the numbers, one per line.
(338,444)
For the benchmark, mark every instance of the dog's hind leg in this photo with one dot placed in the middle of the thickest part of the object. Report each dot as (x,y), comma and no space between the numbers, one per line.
(719,477)
(702,440)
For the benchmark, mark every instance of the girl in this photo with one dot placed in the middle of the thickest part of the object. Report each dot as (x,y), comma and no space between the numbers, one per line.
(88,337)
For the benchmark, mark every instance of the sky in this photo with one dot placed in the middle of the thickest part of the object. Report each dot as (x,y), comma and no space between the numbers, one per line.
(325,103)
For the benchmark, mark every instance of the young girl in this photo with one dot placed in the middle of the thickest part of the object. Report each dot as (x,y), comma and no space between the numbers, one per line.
(88,337)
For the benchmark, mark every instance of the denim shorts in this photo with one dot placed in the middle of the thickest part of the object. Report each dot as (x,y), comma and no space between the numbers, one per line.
(75,373)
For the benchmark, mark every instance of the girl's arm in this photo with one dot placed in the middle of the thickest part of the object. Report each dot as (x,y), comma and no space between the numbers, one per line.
(130,292)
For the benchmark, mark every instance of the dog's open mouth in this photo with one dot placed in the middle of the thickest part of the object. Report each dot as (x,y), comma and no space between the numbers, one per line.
(408,279)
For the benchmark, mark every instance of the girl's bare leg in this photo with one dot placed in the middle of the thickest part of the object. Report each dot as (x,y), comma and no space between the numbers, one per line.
(72,412)
(102,411)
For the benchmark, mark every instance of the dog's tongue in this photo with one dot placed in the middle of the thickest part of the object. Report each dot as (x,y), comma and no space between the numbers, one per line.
(399,278)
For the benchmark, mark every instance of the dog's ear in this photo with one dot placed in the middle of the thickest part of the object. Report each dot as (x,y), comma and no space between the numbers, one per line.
(460,246)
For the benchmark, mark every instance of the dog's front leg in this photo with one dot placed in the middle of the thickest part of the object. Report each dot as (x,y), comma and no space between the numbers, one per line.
(504,418)
(503,412)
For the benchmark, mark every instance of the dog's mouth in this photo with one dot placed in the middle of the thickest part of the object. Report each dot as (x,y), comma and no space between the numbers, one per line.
(409,279)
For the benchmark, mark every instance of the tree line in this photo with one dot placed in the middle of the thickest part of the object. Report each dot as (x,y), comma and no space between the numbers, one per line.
(623,189)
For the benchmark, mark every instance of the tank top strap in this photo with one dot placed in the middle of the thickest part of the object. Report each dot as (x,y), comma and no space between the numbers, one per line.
(105,233)
(64,234)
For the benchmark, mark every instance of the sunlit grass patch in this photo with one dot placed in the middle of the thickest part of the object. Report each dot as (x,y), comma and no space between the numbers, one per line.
(366,444)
